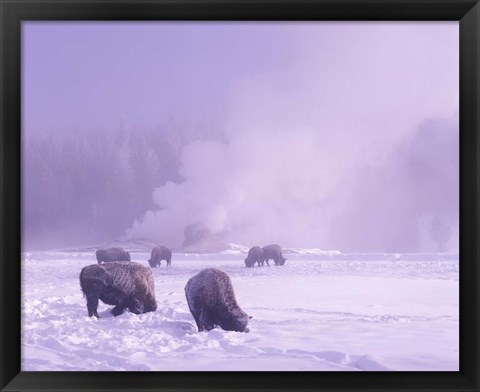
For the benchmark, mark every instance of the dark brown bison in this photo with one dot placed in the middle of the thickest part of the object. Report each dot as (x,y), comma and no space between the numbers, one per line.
(274,252)
(112,254)
(160,253)
(212,302)
(125,285)
(255,255)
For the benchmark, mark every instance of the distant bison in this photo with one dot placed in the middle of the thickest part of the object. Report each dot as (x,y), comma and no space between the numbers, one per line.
(274,252)
(255,255)
(112,254)
(127,286)
(160,253)
(212,302)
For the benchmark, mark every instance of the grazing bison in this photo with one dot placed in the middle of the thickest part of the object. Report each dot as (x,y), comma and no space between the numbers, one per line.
(127,286)
(212,302)
(160,253)
(112,254)
(274,252)
(255,255)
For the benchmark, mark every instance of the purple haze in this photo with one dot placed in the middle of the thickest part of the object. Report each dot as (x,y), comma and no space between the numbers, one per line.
(336,135)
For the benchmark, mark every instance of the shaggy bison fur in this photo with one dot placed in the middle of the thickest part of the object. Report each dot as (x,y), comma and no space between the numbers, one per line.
(112,254)
(212,302)
(274,252)
(255,255)
(160,253)
(127,286)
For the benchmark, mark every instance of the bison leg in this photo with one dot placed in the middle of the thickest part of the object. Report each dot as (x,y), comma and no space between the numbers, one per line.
(195,317)
(199,324)
(118,310)
(92,306)
(266,261)
(92,288)
(169,261)
(197,321)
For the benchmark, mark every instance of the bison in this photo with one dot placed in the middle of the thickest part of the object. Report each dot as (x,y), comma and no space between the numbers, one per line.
(127,286)
(274,252)
(212,302)
(160,253)
(255,255)
(112,254)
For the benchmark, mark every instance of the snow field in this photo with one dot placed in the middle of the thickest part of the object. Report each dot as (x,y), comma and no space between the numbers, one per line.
(308,315)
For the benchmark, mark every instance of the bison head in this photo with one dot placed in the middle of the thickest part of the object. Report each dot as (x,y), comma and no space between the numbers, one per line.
(235,320)
(150,304)
(249,263)
(138,307)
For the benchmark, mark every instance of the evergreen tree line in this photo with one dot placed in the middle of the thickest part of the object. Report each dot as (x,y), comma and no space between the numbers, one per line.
(89,186)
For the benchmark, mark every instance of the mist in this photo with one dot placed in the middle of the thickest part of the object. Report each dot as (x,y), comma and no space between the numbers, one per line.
(295,190)
(329,135)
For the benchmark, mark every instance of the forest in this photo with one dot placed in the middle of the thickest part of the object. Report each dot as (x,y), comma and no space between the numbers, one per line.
(88,186)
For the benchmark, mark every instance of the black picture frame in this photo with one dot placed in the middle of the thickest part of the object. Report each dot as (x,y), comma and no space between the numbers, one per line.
(13,12)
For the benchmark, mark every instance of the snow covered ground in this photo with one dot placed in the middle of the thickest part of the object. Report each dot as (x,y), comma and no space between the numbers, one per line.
(321,311)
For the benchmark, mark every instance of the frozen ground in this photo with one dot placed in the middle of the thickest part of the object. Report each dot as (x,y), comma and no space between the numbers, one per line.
(321,311)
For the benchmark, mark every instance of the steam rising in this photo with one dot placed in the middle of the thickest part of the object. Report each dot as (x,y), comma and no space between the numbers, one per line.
(350,154)
(292,188)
